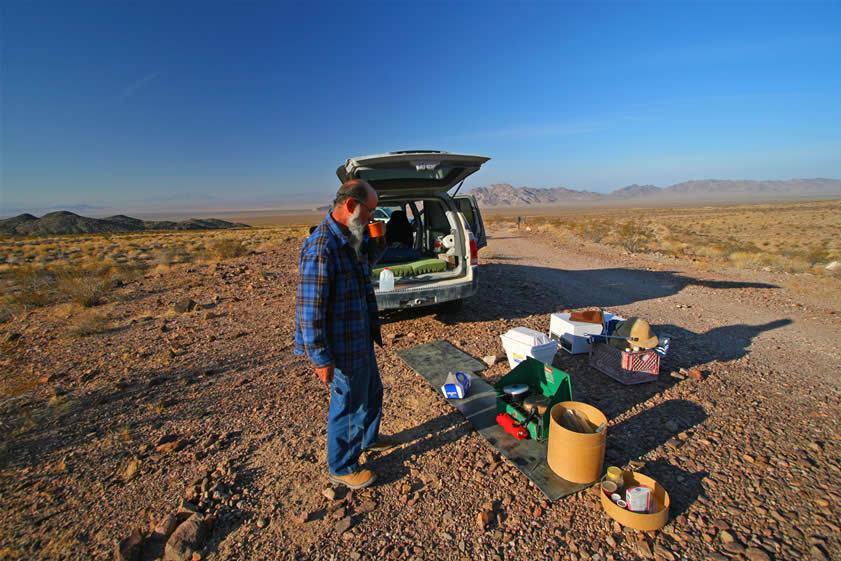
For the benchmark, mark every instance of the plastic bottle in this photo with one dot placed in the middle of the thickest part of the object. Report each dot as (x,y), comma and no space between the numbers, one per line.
(386,280)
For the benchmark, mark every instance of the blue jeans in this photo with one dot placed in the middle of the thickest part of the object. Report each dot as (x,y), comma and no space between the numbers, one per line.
(353,421)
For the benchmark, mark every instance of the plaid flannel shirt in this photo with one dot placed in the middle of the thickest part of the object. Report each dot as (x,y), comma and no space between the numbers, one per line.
(336,318)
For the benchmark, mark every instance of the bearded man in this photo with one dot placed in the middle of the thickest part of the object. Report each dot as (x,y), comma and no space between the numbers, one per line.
(336,325)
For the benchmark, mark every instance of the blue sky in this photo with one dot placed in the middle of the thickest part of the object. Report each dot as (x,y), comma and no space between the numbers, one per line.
(254,104)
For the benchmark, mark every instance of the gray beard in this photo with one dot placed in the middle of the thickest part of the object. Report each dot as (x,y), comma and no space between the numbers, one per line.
(357,230)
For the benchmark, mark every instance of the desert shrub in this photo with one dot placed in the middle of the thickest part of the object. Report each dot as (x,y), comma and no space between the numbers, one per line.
(84,288)
(225,248)
(674,247)
(591,230)
(746,258)
(634,235)
(88,322)
(709,251)
(27,287)
(162,258)
(817,255)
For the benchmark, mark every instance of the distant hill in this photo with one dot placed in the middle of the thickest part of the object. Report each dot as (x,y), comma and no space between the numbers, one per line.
(64,222)
(503,194)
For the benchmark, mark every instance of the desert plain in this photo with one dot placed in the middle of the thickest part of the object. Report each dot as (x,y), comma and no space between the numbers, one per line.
(150,377)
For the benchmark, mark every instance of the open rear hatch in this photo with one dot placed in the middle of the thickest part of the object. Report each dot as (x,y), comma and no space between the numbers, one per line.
(411,173)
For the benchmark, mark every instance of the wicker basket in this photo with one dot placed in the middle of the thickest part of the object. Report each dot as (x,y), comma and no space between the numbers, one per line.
(626,367)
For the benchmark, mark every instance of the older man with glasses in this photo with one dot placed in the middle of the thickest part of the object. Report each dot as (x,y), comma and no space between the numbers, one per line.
(336,326)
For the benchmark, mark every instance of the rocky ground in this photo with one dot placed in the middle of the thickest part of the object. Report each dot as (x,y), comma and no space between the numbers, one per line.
(191,406)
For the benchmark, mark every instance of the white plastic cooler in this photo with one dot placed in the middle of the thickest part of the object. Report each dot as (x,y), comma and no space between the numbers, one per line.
(521,342)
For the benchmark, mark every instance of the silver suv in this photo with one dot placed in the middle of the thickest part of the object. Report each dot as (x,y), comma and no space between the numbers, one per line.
(433,237)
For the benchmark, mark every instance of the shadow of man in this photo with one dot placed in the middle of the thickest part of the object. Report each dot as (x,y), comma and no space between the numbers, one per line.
(724,344)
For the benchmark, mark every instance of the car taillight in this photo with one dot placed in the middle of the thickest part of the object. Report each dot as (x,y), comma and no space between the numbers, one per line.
(474,250)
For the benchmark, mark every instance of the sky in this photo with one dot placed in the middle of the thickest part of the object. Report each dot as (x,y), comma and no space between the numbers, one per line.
(250,104)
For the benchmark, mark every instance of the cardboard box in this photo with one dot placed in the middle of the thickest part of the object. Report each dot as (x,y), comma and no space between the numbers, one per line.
(658,514)
(576,456)
(572,335)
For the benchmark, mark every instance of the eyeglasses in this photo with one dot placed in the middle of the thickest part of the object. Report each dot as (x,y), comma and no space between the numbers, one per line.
(370,209)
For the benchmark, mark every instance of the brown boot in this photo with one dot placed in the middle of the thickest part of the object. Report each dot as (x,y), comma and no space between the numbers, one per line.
(355,480)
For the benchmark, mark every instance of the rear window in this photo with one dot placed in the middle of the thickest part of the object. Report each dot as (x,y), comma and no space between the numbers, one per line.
(436,174)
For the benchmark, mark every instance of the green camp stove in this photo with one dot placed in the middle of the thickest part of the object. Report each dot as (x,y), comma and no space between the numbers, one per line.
(531,408)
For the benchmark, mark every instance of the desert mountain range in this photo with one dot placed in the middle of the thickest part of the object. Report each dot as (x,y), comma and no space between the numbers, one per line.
(64,222)
(503,194)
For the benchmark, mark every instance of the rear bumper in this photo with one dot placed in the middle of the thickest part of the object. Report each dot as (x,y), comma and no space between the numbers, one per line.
(428,295)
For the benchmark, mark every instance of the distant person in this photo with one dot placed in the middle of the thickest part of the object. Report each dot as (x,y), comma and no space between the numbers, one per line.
(336,325)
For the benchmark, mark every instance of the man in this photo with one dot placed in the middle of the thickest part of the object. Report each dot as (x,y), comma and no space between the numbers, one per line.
(336,325)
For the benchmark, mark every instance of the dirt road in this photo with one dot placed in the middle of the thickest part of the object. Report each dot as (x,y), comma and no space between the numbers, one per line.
(210,405)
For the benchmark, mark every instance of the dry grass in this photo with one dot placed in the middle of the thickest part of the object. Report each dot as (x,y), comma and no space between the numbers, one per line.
(88,322)
(793,237)
(42,271)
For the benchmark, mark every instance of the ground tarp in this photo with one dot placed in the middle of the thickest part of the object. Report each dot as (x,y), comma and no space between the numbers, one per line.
(433,361)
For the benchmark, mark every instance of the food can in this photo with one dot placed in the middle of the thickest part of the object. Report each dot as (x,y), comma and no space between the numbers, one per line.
(615,474)
(609,487)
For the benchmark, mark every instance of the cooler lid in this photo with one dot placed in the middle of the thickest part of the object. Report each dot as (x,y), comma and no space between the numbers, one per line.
(528,337)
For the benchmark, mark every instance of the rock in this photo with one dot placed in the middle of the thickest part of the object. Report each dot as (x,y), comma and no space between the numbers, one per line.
(130,548)
(695,374)
(343,525)
(734,547)
(131,469)
(726,537)
(834,266)
(329,493)
(366,507)
(661,552)
(262,522)
(485,519)
(186,508)
(677,376)
(490,360)
(184,305)
(643,549)
(757,554)
(187,538)
(165,527)
(817,554)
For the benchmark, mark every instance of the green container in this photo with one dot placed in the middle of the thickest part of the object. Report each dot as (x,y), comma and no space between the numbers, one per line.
(541,379)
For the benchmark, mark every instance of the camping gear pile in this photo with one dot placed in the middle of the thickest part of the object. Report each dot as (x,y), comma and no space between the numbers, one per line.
(534,401)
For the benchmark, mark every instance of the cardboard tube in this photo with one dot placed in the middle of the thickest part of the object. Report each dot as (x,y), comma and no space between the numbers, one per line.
(574,456)
(658,515)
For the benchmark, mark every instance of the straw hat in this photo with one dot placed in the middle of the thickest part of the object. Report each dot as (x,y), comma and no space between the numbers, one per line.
(638,331)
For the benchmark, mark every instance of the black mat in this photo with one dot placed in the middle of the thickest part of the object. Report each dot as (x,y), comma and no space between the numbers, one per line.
(433,361)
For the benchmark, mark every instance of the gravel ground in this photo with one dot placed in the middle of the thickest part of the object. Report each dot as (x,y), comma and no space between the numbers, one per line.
(207,413)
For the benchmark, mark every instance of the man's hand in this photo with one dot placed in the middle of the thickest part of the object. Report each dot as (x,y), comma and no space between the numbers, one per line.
(325,374)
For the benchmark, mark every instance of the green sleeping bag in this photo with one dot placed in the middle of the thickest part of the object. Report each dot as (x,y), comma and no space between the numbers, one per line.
(422,267)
